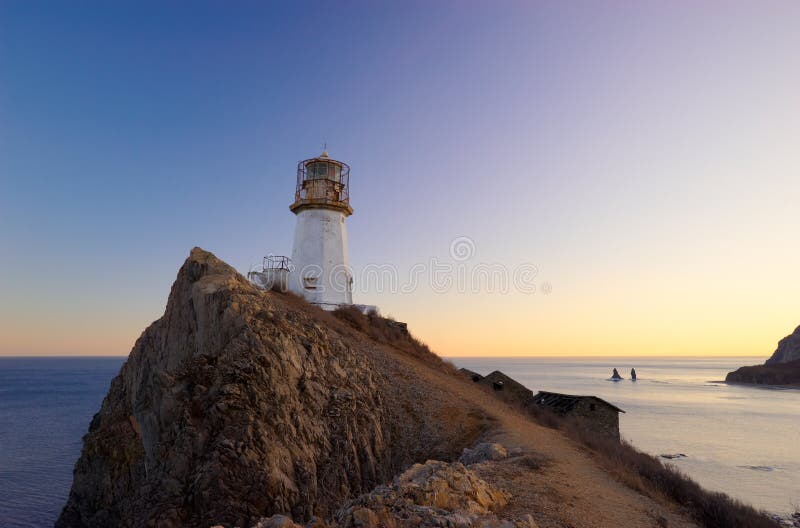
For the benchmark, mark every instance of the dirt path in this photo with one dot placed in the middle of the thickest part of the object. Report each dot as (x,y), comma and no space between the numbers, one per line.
(550,477)
(562,486)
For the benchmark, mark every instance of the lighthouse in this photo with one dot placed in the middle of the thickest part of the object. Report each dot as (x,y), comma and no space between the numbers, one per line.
(320,271)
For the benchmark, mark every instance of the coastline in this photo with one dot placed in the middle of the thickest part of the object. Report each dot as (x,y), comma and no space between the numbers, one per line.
(45,465)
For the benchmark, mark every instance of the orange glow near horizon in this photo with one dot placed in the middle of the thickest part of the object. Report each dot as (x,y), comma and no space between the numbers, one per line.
(642,156)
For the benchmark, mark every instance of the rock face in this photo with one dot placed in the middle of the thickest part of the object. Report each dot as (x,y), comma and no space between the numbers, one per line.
(783,368)
(788,349)
(239,404)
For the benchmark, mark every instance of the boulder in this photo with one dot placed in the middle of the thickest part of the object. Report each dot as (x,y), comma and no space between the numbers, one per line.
(483,452)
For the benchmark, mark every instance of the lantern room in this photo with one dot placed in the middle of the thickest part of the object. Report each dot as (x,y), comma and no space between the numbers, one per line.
(322,182)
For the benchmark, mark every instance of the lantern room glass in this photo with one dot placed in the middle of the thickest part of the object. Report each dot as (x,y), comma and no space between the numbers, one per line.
(324,170)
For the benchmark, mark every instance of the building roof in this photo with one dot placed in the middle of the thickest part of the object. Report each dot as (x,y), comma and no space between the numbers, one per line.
(566,402)
(474,376)
(508,385)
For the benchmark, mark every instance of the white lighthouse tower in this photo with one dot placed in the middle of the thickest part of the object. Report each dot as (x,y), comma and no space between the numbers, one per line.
(320,270)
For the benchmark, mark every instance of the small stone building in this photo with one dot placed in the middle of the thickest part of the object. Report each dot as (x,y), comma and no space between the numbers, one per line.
(598,414)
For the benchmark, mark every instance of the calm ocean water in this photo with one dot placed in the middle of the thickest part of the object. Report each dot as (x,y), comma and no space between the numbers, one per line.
(743,441)
(46,405)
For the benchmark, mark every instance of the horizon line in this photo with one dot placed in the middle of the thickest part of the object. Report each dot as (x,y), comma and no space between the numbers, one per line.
(22,356)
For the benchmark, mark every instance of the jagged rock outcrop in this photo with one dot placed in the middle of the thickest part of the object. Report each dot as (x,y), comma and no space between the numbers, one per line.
(430,495)
(782,368)
(239,404)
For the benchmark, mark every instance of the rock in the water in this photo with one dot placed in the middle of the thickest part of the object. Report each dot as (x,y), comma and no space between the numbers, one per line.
(238,404)
(483,452)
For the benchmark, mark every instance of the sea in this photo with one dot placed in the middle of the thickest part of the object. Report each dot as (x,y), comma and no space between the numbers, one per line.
(743,441)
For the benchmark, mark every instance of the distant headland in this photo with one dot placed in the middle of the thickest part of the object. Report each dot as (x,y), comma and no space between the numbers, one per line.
(782,368)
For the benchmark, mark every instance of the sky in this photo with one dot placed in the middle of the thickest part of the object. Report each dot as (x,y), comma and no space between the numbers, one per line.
(629,171)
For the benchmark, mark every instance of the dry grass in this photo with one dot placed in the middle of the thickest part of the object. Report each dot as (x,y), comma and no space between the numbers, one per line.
(647,474)
(389,332)
(534,461)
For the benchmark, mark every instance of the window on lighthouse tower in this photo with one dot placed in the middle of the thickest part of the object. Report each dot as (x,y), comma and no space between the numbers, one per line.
(310,282)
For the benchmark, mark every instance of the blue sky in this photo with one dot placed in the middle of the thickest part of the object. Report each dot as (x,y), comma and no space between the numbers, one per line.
(642,155)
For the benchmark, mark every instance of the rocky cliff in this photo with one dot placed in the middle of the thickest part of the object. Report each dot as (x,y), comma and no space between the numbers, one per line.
(782,368)
(239,404)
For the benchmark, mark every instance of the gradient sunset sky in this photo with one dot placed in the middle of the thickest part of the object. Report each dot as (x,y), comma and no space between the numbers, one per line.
(644,156)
